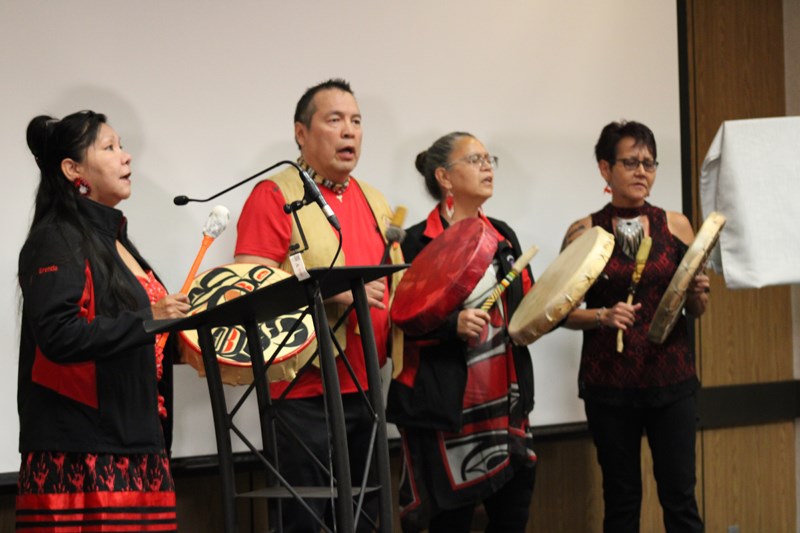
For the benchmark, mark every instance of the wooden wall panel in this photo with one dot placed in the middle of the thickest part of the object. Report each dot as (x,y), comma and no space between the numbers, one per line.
(200,503)
(7,513)
(738,62)
(752,484)
(568,494)
(746,336)
(569,489)
(736,71)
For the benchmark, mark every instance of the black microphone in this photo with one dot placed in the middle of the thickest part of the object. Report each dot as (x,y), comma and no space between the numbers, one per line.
(313,195)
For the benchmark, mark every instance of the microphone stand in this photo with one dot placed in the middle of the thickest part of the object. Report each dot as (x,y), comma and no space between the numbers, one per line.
(338,459)
(183,200)
(289,208)
(293,208)
(310,193)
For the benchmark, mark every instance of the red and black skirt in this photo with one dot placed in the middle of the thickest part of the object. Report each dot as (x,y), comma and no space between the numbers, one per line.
(86,492)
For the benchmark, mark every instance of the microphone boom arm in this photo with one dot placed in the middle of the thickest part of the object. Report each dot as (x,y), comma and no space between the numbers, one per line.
(183,200)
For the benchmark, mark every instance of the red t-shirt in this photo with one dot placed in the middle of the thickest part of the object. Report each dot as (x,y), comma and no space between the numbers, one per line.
(265,230)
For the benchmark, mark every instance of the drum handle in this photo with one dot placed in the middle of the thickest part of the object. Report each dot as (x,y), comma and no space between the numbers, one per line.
(516,269)
(207,240)
(641,259)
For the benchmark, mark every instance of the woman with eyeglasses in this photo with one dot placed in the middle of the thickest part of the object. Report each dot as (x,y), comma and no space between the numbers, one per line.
(461,405)
(647,388)
(94,390)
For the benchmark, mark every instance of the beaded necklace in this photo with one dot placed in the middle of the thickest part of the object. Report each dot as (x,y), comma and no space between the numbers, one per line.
(337,188)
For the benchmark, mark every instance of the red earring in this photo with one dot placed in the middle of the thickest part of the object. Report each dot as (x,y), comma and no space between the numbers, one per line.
(449,205)
(607,189)
(82,187)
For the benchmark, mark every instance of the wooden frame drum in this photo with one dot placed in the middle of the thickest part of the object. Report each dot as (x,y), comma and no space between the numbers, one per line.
(224,283)
(694,260)
(562,286)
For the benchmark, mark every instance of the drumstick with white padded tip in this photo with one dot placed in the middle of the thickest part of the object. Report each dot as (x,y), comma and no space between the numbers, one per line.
(394,232)
(521,262)
(641,258)
(215,224)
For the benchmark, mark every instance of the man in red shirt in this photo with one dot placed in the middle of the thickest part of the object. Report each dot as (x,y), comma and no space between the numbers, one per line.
(328,132)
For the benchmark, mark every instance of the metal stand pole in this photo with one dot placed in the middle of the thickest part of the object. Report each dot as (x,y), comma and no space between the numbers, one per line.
(330,380)
(219,412)
(376,399)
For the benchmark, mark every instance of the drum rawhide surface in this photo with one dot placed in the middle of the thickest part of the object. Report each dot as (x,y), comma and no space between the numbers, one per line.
(562,286)
(694,260)
(442,275)
(225,283)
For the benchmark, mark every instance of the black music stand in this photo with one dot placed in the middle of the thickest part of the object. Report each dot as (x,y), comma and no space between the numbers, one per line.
(268,303)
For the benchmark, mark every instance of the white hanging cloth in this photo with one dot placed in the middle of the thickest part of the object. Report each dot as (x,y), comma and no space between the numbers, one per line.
(751,174)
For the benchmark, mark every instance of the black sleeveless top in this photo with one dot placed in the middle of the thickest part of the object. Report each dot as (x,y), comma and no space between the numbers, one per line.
(645,373)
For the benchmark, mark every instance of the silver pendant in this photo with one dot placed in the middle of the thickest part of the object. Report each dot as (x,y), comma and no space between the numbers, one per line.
(629,233)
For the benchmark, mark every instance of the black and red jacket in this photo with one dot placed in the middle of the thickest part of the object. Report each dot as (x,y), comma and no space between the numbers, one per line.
(87,370)
(436,398)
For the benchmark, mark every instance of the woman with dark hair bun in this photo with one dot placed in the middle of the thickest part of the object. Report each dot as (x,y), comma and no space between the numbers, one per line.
(464,393)
(643,387)
(94,393)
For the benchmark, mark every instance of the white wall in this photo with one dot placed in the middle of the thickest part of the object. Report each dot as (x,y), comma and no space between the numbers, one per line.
(203,94)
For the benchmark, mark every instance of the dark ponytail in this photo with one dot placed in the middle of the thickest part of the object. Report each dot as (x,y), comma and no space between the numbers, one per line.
(437,156)
(51,141)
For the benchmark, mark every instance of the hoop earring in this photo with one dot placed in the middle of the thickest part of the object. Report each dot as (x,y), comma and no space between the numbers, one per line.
(449,206)
(82,187)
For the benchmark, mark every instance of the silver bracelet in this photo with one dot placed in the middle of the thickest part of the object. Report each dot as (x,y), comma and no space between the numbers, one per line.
(597,320)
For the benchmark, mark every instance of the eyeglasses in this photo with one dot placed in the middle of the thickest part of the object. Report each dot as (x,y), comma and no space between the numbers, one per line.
(631,163)
(476,160)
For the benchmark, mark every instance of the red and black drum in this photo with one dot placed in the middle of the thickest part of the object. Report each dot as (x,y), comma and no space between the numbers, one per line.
(224,283)
(442,276)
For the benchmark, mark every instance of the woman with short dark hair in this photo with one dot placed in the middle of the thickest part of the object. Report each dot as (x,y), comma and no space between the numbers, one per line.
(647,388)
